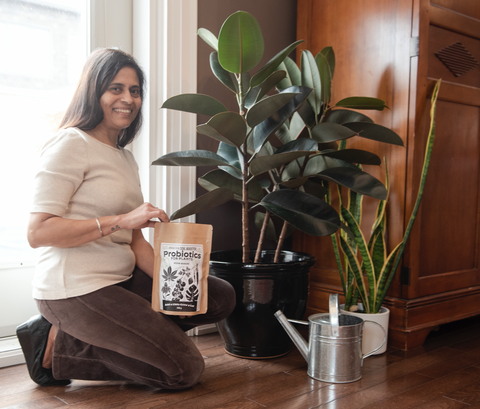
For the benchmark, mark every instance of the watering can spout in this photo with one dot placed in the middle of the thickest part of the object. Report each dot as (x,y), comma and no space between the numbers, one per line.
(292,332)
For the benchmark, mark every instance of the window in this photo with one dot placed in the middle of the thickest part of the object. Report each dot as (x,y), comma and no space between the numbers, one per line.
(43,48)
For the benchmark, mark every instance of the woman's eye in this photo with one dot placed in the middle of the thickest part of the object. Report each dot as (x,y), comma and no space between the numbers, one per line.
(135,92)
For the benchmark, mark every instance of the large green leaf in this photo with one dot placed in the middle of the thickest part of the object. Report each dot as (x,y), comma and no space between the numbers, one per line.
(315,188)
(257,93)
(195,103)
(263,163)
(240,43)
(311,79)
(218,178)
(268,127)
(300,144)
(355,156)
(228,127)
(205,202)
(362,103)
(225,77)
(208,37)
(267,107)
(191,158)
(325,60)
(294,76)
(343,116)
(303,211)
(273,64)
(357,180)
(375,132)
(231,154)
(325,132)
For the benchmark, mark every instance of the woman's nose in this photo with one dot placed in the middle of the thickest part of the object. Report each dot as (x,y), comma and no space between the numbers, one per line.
(126,97)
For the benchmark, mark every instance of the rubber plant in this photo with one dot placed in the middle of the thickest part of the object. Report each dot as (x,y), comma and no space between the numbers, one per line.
(276,153)
(368,269)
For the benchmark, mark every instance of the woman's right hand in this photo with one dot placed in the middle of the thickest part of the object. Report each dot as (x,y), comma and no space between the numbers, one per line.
(142,216)
(48,230)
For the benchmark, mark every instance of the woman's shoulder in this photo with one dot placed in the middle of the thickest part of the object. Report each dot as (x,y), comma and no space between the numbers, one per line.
(65,139)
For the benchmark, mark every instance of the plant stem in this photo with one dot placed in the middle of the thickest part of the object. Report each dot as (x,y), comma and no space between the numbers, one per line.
(281,240)
(262,236)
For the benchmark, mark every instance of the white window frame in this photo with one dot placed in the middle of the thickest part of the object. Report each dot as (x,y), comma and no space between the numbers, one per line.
(161,34)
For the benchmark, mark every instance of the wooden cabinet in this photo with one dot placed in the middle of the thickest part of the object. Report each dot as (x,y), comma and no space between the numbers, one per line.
(395,50)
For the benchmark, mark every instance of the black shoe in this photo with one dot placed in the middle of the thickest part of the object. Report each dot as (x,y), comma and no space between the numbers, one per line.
(33,337)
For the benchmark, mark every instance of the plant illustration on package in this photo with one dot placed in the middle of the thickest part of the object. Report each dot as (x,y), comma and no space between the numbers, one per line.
(368,268)
(280,151)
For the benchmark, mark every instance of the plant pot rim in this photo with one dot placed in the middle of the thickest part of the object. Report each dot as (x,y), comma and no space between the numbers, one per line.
(219,258)
(383,310)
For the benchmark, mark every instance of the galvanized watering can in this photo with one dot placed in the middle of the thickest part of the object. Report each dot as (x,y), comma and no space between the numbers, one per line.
(334,352)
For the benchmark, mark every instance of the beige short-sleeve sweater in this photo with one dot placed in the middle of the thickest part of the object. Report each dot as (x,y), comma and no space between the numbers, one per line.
(82,178)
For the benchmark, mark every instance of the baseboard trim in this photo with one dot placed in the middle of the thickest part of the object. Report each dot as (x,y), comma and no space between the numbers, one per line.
(202,330)
(10,352)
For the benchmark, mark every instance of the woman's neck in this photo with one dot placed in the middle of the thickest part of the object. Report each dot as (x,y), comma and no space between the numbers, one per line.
(104,135)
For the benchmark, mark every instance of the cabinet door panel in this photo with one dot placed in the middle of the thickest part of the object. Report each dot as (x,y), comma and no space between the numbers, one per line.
(449,237)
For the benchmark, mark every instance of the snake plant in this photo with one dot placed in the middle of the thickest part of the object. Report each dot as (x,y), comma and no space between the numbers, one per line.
(369,268)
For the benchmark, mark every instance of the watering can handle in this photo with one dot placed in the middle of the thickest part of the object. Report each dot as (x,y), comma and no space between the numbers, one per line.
(333,308)
(381,345)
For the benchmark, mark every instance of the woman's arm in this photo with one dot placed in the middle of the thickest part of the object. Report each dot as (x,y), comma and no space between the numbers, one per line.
(48,230)
(144,256)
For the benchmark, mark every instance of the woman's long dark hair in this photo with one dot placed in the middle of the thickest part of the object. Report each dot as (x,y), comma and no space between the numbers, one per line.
(85,111)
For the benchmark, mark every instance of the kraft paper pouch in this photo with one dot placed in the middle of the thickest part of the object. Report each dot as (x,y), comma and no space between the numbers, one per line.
(182,256)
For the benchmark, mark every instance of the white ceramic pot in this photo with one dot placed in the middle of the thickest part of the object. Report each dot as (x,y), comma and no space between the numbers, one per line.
(372,334)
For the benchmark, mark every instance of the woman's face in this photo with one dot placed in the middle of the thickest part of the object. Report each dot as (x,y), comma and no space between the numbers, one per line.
(121,101)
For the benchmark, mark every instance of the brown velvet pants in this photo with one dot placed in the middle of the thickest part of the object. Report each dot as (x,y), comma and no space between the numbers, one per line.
(113,334)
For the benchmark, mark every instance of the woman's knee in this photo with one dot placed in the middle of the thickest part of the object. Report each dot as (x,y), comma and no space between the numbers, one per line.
(190,372)
(221,298)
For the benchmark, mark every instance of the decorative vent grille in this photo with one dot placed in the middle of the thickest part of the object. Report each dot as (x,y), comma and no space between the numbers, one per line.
(457,59)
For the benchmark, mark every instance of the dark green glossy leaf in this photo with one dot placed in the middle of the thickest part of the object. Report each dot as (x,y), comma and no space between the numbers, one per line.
(375,132)
(315,188)
(228,127)
(218,178)
(355,156)
(357,180)
(303,211)
(240,43)
(231,154)
(208,37)
(325,132)
(225,77)
(329,56)
(323,59)
(268,127)
(205,202)
(307,115)
(300,144)
(267,107)
(263,163)
(294,183)
(257,93)
(273,64)
(191,158)
(362,103)
(294,76)
(342,116)
(195,103)
(311,79)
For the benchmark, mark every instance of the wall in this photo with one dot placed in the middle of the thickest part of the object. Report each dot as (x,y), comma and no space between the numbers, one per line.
(277,19)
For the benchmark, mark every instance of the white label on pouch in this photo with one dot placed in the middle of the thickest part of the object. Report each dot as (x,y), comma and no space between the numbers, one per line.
(180,275)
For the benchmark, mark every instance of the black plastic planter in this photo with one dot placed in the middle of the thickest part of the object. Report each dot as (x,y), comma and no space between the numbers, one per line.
(252,331)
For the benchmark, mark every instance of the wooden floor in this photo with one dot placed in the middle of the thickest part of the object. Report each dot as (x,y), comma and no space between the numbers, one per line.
(444,373)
